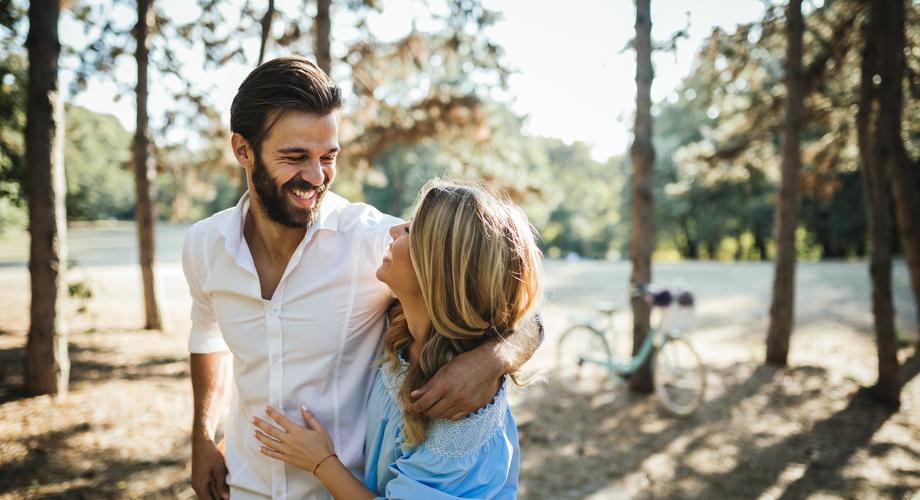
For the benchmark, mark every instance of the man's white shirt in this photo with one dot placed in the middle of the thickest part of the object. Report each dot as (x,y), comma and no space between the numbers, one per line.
(313,343)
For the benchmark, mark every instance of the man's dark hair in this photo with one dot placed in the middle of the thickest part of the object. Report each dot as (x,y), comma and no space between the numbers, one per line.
(282,84)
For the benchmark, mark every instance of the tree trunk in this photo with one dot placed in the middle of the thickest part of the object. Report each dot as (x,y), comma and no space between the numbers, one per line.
(760,243)
(47,366)
(323,35)
(690,250)
(143,211)
(266,31)
(396,188)
(875,157)
(782,308)
(891,69)
(264,40)
(739,250)
(643,155)
(711,250)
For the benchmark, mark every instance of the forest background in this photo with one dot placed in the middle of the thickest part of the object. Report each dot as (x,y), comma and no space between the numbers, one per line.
(716,136)
(772,132)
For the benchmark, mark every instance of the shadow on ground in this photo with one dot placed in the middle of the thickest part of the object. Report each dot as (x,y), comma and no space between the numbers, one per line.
(88,364)
(95,475)
(92,444)
(769,430)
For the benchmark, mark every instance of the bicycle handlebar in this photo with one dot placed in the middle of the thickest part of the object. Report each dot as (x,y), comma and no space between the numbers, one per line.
(662,297)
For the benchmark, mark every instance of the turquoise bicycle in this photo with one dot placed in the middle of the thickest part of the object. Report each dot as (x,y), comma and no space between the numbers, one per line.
(589,353)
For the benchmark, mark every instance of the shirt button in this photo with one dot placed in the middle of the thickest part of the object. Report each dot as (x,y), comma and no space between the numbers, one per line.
(276,358)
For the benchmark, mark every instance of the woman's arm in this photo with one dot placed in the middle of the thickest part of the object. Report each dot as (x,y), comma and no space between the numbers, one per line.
(339,481)
(470,381)
(308,448)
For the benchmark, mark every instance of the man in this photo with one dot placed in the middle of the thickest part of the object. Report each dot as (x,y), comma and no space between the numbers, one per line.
(285,281)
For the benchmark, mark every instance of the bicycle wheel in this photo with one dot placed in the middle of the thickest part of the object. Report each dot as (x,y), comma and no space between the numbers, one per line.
(580,357)
(680,377)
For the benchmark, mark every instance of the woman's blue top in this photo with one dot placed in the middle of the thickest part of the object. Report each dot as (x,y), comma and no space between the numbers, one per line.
(476,457)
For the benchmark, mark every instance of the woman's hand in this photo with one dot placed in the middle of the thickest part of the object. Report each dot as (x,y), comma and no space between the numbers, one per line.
(302,447)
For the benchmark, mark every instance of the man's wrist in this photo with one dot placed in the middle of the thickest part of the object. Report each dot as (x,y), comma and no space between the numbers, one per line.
(200,434)
(501,363)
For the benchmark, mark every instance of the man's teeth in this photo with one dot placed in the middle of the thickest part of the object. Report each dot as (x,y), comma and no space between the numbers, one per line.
(304,195)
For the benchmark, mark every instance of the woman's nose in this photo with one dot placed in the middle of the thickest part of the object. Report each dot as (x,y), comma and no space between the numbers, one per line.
(394,230)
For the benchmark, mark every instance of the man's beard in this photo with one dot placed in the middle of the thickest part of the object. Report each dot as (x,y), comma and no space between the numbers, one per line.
(274,201)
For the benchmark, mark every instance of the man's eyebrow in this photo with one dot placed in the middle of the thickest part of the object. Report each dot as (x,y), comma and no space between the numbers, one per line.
(298,150)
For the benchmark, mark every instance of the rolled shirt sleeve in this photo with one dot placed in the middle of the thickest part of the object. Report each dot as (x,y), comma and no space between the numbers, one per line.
(205,336)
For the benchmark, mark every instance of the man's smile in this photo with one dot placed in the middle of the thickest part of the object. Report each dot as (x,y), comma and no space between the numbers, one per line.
(303,198)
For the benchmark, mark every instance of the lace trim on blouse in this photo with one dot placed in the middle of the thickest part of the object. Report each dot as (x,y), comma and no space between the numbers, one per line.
(456,439)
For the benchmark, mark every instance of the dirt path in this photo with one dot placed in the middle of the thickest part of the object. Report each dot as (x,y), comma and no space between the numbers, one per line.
(803,431)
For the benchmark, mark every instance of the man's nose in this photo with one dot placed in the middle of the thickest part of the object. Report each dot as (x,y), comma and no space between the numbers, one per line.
(313,173)
(394,231)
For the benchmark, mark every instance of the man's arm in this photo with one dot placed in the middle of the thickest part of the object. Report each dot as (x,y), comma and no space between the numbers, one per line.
(209,472)
(471,380)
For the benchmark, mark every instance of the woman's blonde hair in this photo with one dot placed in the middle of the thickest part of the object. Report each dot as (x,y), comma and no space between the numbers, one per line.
(479,270)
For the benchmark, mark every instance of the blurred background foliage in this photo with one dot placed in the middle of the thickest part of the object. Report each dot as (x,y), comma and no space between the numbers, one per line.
(435,103)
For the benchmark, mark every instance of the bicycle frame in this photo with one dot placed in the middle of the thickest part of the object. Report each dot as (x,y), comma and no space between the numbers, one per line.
(681,385)
(656,336)
(637,360)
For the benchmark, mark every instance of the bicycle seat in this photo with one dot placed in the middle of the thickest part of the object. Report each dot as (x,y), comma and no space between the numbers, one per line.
(685,299)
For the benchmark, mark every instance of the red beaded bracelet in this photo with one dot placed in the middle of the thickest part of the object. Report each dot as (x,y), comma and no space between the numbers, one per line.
(321,462)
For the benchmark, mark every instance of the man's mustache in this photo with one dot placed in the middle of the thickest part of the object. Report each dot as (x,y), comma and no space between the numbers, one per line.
(303,185)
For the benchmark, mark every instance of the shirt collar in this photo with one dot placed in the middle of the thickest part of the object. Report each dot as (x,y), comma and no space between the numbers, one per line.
(232,227)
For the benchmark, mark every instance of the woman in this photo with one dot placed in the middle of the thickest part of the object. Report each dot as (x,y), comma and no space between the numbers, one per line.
(465,269)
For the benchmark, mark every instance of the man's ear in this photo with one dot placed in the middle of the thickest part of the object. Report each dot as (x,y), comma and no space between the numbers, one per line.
(242,150)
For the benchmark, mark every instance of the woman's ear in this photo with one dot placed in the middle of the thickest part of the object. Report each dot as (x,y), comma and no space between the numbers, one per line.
(242,150)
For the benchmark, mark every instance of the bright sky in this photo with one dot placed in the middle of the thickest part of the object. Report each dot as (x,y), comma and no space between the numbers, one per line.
(574,80)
